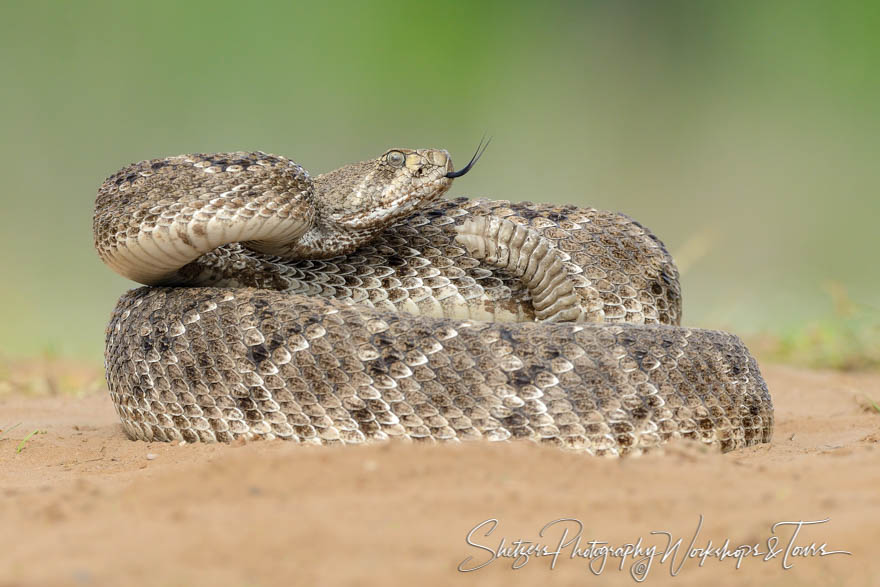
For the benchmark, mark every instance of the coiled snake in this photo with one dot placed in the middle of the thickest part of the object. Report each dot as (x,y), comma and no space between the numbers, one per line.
(357,306)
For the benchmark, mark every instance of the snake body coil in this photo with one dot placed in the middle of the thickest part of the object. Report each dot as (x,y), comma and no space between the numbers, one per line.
(357,306)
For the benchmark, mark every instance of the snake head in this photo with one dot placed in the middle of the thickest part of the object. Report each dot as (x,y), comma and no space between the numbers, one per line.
(354,203)
(374,194)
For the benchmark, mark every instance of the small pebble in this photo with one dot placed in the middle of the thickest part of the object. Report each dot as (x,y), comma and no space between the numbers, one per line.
(151,456)
(181,443)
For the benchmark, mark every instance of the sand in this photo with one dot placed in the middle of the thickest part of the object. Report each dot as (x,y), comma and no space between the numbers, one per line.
(82,505)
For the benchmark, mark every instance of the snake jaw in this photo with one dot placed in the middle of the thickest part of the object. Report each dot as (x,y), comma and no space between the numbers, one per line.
(372,195)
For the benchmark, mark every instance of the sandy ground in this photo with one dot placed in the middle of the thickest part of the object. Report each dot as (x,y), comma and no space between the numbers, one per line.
(82,505)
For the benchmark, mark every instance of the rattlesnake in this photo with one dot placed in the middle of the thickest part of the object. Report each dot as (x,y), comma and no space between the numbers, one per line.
(357,306)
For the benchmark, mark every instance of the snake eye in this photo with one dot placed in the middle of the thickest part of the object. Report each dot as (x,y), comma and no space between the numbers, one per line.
(395,158)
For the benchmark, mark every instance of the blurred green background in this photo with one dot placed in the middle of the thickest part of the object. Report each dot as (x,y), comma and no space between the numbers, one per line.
(744,133)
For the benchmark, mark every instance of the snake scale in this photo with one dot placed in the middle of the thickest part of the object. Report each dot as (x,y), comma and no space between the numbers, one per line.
(358,305)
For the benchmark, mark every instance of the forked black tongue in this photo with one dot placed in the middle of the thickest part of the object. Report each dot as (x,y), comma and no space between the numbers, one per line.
(481,148)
